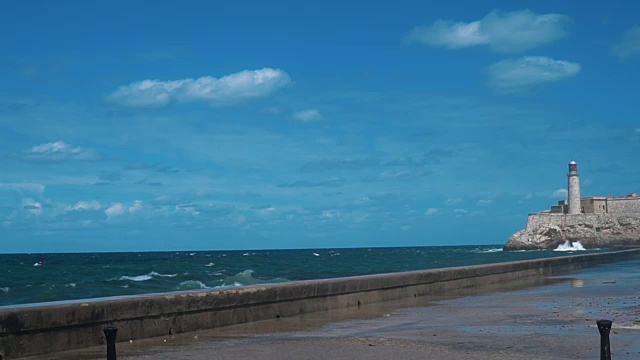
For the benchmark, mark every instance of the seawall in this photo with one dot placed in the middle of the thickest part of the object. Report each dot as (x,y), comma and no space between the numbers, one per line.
(54,327)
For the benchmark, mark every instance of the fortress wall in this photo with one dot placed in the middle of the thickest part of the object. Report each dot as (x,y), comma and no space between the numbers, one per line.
(536,221)
(54,327)
(585,221)
(629,205)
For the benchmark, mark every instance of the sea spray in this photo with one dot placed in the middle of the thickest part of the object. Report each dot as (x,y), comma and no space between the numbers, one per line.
(570,246)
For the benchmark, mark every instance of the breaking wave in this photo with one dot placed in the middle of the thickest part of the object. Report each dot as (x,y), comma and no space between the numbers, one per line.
(487,251)
(246,278)
(135,278)
(192,285)
(153,273)
(146,277)
(570,246)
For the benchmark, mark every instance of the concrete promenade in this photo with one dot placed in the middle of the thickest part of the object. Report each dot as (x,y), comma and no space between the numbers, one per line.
(555,320)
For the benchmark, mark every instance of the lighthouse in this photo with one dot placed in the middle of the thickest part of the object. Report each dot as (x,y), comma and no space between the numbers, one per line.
(574,188)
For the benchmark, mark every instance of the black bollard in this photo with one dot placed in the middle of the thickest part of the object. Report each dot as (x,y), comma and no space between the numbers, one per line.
(604,326)
(110,333)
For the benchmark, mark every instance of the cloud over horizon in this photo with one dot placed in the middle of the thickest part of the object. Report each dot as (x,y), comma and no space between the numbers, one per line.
(59,151)
(510,32)
(229,89)
(628,45)
(519,75)
(306,116)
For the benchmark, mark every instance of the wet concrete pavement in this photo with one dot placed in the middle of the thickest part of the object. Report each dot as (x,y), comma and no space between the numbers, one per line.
(552,321)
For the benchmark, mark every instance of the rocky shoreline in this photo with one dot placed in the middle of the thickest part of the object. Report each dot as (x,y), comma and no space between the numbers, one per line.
(546,231)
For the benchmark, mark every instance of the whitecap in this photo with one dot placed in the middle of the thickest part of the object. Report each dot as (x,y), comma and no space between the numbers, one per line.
(316,254)
(192,285)
(4,289)
(153,273)
(487,251)
(226,286)
(210,264)
(136,278)
(70,285)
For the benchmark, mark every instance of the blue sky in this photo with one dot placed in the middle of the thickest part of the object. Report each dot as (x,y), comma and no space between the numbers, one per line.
(211,125)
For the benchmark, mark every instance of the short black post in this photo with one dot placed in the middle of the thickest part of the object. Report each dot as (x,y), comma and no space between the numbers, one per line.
(110,333)
(604,326)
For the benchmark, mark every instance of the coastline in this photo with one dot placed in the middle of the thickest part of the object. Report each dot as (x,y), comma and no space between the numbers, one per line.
(553,319)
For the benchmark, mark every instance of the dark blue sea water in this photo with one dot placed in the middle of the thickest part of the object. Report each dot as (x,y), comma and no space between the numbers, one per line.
(91,275)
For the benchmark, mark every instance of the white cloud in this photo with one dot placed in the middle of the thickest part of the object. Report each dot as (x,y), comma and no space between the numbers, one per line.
(137,206)
(484,202)
(187,208)
(517,75)
(32,207)
(228,89)
(432,211)
(115,209)
(560,193)
(629,45)
(59,151)
(452,201)
(266,211)
(503,32)
(118,209)
(330,214)
(527,197)
(306,116)
(86,205)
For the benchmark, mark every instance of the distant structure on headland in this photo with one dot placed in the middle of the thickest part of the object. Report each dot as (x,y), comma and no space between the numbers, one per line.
(596,221)
(595,204)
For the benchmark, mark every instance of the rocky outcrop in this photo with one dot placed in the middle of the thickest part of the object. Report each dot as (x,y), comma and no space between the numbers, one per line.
(548,231)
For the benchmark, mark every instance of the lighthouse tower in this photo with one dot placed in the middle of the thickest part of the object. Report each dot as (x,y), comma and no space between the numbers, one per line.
(574,188)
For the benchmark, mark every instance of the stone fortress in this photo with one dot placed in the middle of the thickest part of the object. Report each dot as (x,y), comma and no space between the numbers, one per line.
(597,222)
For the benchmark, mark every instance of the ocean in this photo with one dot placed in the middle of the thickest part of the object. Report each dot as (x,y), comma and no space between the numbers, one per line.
(95,275)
